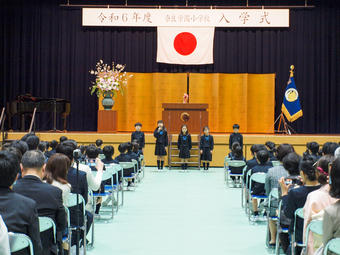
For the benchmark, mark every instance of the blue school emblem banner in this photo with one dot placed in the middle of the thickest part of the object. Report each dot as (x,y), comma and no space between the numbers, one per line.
(291,106)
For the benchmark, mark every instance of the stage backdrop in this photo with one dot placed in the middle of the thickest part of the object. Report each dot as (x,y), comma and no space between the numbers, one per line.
(246,99)
(47,52)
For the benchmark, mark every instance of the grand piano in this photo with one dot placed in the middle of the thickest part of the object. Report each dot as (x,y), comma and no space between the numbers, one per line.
(25,104)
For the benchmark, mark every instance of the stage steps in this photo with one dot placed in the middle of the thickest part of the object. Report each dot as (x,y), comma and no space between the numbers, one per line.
(173,155)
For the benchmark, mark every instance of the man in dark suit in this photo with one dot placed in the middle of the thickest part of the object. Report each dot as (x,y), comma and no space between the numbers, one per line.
(79,186)
(18,212)
(48,198)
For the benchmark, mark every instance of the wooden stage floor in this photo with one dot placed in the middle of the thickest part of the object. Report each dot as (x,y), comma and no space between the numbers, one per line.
(221,141)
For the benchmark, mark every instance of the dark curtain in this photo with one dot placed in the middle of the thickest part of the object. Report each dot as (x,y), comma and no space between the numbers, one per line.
(46,52)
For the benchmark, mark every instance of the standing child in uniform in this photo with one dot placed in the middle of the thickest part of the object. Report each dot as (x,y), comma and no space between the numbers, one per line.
(138,137)
(161,136)
(235,137)
(184,146)
(206,148)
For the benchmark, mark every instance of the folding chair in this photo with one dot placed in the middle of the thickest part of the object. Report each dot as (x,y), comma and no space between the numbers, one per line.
(46,223)
(274,194)
(101,156)
(297,214)
(142,165)
(332,246)
(72,202)
(136,170)
(315,226)
(246,191)
(234,163)
(67,239)
(279,231)
(276,163)
(107,175)
(226,161)
(259,178)
(18,242)
(114,168)
(127,166)
(243,186)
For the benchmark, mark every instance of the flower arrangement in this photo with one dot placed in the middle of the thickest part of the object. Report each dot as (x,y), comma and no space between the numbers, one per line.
(109,79)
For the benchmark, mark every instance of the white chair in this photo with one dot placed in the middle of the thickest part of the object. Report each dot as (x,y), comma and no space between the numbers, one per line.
(234,164)
(274,194)
(46,223)
(332,246)
(73,201)
(259,178)
(128,166)
(226,161)
(18,242)
(315,226)
(279,230)
(67,239)
(297,214)
(243,187)
(136,170)
(142,165)
(276,163)
(107,175)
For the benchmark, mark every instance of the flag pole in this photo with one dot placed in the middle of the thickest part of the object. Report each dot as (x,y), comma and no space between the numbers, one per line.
(286,129)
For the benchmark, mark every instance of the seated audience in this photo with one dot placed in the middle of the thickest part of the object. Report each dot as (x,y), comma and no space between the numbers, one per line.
(62,139)
(4,241)
(329,148)
(56,173)
(32,142)
(53,144)
(79,186)
(93,182)
(317,201)
(236,154)
(257,189)
(312,150)
(132,154)
(20,145)
(48,198)
(294,195)
(271,149)
(331,219)
(108,152)
(252,162)
(337,153)
(43,146)
(92,153)
(18,212)
(272,181)
(124,157)
(99,143)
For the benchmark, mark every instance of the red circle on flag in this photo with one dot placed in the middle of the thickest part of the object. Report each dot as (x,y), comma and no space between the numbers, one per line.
(185,43)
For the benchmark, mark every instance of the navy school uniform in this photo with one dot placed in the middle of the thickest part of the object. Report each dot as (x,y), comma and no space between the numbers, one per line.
(184,145)
(124,157)
(140,138)
(235,137)
(258,188)
(206,145)
(161,141)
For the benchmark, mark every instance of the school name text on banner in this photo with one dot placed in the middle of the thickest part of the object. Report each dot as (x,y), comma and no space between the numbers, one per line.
(185,17)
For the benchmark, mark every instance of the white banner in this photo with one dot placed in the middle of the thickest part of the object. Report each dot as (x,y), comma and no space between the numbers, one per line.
(186,17)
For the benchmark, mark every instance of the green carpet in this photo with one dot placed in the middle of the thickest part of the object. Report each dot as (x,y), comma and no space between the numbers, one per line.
(176,213)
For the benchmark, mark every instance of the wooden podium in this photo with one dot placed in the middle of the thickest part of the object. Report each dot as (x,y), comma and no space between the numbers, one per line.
(195,116)
(107,121)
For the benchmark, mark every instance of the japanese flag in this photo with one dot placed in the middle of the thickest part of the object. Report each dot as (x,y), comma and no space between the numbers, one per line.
(185,45)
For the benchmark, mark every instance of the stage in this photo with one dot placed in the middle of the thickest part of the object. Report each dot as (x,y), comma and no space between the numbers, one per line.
(221,141)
